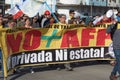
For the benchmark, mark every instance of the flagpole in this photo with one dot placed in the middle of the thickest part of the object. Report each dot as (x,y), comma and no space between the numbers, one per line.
(11,4)
(51,11)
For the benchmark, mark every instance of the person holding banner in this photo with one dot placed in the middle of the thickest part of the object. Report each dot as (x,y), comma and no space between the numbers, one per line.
(11,24)
(62,19)
(21,21)
(35,22)
(71,18)
(28,23)
(46,19)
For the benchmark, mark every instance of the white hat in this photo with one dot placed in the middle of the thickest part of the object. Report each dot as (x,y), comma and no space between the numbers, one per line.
(109,13)
(77,14)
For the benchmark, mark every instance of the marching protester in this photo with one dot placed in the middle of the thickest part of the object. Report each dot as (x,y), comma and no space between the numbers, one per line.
(28,23)
(71,18)
(46,19)
(62,19)
(35,22)
(21,20)
(115,33)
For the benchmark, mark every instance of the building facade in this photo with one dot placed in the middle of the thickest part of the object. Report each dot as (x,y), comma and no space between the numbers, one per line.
(113,3)
(92,7)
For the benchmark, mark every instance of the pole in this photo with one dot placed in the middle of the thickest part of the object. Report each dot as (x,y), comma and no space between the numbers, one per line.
(11,5)
(91,8)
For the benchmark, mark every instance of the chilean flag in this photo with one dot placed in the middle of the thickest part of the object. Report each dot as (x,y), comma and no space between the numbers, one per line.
(31,7)
(15,11)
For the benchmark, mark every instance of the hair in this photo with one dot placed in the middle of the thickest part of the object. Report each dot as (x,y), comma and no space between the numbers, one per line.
(71,11)
(60,15)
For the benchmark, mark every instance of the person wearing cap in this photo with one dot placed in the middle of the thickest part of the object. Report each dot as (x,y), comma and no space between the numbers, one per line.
(46,19)
(35,22)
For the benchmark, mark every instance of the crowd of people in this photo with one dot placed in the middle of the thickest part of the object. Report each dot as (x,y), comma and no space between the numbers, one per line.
(47,18)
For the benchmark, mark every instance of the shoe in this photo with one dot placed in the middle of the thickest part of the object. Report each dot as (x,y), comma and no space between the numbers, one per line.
(58,69)
(31,71)
(69,69)
(113,77)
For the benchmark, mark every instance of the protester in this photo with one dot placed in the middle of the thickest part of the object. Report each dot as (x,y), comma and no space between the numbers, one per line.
(46,19)
(35,22)
(28,23)
(62,19)
(115,33)
(52,20)
(71,14)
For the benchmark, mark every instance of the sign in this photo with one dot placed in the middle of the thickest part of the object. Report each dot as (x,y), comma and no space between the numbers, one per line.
(22,47)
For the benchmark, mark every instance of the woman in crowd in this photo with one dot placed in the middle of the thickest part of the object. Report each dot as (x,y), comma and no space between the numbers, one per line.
(28,23)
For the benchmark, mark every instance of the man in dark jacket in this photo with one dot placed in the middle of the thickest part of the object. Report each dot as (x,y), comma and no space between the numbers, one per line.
(114,30)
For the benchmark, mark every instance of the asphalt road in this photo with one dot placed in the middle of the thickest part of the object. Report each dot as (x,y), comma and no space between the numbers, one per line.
(82,71)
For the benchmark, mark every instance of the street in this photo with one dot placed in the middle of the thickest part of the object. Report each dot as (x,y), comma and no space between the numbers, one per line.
(82,71)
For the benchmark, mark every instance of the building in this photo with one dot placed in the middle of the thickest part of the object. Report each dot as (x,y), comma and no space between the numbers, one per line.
(92,7)
(113,3)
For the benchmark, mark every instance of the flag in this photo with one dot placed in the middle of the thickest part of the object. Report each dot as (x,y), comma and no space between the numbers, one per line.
(31,7)
(15,11)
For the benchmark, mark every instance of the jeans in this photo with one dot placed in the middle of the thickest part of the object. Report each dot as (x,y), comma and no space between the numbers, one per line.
(117,65)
